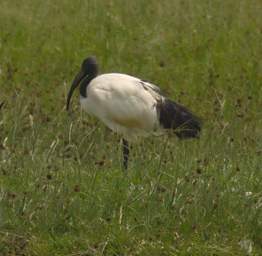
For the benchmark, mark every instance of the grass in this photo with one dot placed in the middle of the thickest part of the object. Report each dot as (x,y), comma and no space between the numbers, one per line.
(62,191)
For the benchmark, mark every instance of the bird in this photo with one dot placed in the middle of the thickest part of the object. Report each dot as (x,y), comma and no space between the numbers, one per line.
(130,106)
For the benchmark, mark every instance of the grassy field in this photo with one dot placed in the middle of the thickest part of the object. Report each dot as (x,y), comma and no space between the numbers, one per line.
(62,191)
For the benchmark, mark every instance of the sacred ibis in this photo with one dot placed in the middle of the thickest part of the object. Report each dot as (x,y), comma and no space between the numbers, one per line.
(130,106)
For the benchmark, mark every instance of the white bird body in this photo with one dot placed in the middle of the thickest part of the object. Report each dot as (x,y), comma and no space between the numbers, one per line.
(130,106)
(126,104)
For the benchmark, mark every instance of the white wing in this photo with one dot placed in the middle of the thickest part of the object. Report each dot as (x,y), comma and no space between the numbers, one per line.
(124,103)
(148,85)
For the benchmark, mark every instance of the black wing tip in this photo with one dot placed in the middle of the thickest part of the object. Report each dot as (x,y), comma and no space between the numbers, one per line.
(178,118)
(190,128)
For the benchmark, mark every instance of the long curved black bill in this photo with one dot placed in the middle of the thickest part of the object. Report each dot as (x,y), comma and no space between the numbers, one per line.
(76,82)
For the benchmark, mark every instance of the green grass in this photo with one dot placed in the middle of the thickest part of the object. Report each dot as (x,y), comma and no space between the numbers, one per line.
(62,191)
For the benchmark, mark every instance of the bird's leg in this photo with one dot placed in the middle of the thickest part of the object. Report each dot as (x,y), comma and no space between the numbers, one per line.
(2,104)
(125,153)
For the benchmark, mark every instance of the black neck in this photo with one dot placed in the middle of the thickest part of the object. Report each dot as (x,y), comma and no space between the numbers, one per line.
(84,83)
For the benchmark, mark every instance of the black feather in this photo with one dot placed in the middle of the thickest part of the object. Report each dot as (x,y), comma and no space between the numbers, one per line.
(178,118)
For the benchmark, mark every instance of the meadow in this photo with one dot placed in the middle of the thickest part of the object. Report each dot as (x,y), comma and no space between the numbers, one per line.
(62,189)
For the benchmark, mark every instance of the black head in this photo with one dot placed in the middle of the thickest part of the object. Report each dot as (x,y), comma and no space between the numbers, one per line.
(90,66)
(89,70)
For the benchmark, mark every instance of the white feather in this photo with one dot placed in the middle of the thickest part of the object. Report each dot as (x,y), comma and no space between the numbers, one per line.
(126,104)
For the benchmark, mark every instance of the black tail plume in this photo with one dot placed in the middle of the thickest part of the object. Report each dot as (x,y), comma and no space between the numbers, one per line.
(174,116)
